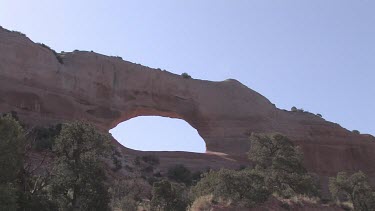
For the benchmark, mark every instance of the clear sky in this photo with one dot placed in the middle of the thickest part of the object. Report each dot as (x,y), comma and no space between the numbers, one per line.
(318,55)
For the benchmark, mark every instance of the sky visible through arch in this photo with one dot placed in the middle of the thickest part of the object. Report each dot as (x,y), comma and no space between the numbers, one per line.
(154,133)
(317,55)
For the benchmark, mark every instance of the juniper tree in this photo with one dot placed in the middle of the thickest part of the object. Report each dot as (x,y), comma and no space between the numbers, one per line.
(78,181)
(11,160)
(282,165)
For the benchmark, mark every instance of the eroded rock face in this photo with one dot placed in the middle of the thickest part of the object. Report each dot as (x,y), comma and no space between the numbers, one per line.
(107,90)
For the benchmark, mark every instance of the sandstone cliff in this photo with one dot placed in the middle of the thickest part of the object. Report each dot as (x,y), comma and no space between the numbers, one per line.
(107,90)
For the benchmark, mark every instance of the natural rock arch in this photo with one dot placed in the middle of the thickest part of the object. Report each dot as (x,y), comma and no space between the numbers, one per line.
(107,90)
(139,112)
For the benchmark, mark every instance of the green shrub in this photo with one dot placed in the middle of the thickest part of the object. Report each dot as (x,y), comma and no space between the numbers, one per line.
(196,176)
(202,203)
(79,177)
(356,132)
(244,188)
(294,109)
(126,194)
(117,163)
(157,174)
(12,145)
(147,169)
(151,159)
(36,201)
(180,173)
(128,203)
(8,196)
(151,180)
(45,137)
(137,161)
(127,188)
(116,159)
(355,189)
(185,75)
(12,114)
(281,163)
(242,167)
(169,196)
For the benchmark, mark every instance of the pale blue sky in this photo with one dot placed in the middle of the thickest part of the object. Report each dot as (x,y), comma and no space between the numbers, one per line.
(318,55)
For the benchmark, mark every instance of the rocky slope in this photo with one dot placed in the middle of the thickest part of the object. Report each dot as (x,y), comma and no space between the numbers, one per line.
(107,90)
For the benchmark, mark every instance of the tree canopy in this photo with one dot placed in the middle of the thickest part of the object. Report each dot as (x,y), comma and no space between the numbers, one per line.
(354,188)
(282,165)
(11,160)
(169,196)
(78,181)
(245,188)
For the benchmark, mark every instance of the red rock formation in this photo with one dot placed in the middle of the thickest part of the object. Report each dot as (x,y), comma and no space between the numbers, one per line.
(107,90)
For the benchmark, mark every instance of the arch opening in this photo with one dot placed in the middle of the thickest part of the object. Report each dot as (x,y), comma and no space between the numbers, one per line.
(156,133)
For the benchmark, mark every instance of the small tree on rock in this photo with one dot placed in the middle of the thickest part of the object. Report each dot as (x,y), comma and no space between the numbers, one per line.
(186,75)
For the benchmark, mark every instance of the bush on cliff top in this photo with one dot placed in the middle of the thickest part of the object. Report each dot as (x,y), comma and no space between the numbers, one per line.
(186,75)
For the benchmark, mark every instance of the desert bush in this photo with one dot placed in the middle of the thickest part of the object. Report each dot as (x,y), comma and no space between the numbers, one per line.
(356,132)
(12,114)
(117,163)
(79,176)
(152,179)
(151,159)
(8,196)
(20,185)
(12,144)
(180,173)
(137,161)
(202,203)
(116,159)
(127,194)
(128,204)
(148,169)
(295,109)
(276,157)
(186,75)
(244,188)
(144,205)
(355,189)
(169,196)
(196,176)
(45,137)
